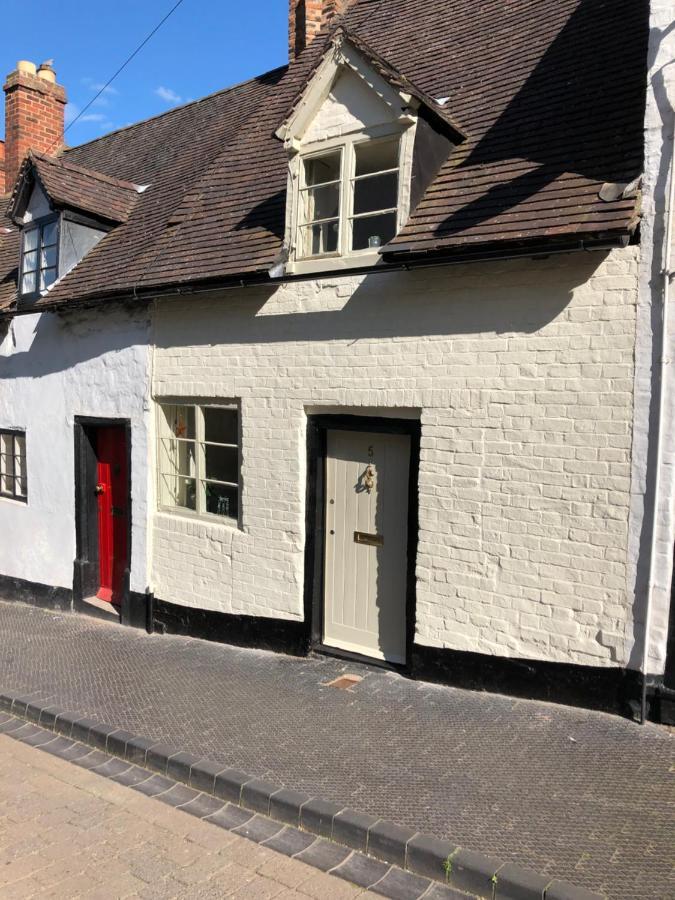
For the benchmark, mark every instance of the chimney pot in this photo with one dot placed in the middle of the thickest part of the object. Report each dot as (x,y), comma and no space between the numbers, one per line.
(26,67)
(46,72)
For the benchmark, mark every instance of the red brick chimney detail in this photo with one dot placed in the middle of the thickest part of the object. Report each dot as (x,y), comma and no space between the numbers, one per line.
(307,18)
(34,116)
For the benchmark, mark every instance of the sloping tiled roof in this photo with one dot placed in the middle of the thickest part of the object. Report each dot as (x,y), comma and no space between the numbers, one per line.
(75,187)
(9,258)
(550,94)
(436,111)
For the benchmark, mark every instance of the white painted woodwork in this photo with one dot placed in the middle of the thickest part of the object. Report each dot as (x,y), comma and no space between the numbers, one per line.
(365,585)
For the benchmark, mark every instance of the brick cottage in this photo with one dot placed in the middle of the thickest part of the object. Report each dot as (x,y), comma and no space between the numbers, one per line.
(363,356)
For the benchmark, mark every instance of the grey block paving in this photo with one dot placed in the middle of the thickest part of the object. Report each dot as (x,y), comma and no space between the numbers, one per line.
(574,795)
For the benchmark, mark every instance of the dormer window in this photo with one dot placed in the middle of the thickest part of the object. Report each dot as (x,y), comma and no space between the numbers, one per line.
(349,198)
(40,256)
(63,211)
(363,145)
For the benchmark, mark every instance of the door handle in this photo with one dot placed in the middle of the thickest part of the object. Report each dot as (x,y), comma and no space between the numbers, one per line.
(99,489)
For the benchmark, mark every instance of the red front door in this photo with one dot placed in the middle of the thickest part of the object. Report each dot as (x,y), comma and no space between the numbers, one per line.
(112,489)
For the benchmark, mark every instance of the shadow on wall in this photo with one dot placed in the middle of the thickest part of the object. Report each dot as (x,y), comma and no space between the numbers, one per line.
(578,119)
(471,300)
(666,119)
(47,343)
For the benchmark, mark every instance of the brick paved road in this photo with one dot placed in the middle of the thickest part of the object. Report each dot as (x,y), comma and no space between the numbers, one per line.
(577,795)
(68,833)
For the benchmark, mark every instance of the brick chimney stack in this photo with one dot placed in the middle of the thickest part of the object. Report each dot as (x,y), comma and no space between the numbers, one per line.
(307,18)
(34,116)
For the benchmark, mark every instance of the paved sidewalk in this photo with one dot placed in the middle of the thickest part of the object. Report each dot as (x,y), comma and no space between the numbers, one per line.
(576,795)
(68,833)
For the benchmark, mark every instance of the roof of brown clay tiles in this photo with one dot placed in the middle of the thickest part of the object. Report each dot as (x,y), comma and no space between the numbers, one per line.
(549,94)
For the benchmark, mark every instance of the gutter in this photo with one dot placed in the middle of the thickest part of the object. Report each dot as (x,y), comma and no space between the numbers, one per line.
(664,362)
(262,278)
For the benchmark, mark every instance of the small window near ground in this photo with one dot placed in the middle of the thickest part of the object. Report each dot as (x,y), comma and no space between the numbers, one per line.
(13,479)
(39,265)
(198,459)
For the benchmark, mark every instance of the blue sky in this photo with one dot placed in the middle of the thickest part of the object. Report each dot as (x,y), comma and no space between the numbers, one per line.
(205,45)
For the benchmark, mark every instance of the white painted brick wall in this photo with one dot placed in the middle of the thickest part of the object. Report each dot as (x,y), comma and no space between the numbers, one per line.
(659,126)
(522,373)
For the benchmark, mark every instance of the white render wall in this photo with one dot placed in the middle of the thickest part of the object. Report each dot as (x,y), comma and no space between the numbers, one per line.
(522,375)
(51,370)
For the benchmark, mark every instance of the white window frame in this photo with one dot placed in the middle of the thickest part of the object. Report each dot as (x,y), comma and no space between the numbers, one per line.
(38,227)
(15,435)
(200,443)
(345,257)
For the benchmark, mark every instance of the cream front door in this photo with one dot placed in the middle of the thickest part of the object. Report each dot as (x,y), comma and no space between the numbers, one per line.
(366,543)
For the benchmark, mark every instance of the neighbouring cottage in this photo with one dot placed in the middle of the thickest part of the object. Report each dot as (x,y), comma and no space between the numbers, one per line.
(365,355)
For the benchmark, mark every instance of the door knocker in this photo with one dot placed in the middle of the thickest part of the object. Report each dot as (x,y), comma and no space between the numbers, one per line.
(369,478)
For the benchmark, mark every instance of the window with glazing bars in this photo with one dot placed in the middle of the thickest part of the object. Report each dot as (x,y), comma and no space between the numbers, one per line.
(198,458)
(349,198)
(13,479)
(40,257)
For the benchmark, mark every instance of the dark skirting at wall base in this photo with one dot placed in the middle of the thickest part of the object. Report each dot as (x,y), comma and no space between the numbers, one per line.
(42,595)
(593,687)
(280,635)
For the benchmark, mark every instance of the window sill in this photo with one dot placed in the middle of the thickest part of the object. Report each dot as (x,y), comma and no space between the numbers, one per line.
(17,501)
(320,264)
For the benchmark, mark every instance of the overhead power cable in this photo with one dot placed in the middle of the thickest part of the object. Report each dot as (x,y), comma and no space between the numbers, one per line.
(124,65)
